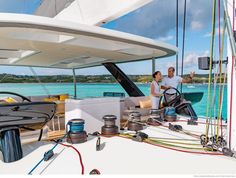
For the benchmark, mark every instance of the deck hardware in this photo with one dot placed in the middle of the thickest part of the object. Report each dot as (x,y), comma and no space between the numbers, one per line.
(156,117)
(170,114)
(175,128)
(204,139)
(134,122)
(109,127)
(98,144)
(95,133)
(47,155)
(75,131)
(227,152)
(140,137)
(192,122)
(94,172)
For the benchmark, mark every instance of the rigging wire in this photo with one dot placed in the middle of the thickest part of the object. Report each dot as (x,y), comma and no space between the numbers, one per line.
(183,42)
(38,79)
(3,78)
(177,37)
(55,6)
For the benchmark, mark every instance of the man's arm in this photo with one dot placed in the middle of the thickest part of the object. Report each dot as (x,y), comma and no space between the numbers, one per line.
(164,87)
(189,79)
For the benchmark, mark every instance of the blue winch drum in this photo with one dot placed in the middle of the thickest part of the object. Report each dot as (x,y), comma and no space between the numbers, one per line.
(75,125)
(170,111)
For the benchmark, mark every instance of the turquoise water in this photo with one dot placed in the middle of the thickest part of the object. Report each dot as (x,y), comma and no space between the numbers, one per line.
(96,90)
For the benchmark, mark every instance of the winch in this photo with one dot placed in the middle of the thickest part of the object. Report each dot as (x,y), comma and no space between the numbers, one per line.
(156,117)
(75,131)
(109,127)
(134,123)
(170,114)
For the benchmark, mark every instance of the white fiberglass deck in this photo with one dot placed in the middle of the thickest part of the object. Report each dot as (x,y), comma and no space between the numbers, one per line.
(123,156)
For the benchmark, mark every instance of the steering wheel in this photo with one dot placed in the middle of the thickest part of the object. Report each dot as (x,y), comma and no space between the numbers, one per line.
(16,94)
(172,99)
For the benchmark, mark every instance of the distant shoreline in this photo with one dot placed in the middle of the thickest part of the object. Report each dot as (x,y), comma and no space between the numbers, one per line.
(34,83)
(141,79)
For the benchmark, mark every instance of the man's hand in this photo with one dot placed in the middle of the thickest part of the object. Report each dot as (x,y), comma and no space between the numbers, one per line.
(192,74)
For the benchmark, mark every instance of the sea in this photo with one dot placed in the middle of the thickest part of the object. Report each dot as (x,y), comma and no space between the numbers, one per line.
(97,89)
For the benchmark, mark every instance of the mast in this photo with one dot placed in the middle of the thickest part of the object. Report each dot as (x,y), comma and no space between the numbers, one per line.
(229,7)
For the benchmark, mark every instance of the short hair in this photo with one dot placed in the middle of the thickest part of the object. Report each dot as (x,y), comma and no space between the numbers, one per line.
(155,73)
(172,68)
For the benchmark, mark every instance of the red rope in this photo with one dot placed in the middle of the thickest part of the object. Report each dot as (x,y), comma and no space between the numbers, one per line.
(231,92)
(80,157)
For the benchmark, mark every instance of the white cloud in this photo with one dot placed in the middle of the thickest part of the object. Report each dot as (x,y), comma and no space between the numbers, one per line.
(216,32)
(207,34)
(191,59)
(158,18)
(167,38)
(196,25)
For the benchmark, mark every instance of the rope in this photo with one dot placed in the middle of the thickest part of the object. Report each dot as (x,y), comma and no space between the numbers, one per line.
(225,75)
(175,149)
(185,151)
(213,101)
(80,157)
(183,43)
(220,101)
(210,72)
(32,170)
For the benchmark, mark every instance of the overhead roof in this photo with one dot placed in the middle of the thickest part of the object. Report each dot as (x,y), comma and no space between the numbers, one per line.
(27,40)
(90,12)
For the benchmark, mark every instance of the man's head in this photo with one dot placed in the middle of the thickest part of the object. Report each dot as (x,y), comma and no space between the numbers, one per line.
(171,72)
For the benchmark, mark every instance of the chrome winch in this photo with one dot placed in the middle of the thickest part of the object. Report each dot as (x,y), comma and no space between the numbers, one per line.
(109,127)
(134,121)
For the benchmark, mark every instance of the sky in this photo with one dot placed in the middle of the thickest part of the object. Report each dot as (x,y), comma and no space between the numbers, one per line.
(156,20)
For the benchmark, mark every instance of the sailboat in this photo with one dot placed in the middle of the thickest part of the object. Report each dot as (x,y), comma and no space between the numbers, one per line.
(74,40)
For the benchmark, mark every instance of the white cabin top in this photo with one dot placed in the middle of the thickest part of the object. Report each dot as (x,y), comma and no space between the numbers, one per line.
(28,40)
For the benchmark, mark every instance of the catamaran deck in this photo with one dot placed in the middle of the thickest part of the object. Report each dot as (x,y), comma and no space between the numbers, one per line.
(124,156)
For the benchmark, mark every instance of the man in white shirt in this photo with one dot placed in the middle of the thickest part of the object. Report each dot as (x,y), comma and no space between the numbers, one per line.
(172,81)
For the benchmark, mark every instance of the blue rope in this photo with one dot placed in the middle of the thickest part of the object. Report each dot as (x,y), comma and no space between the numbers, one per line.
(76,128)
(30,173)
